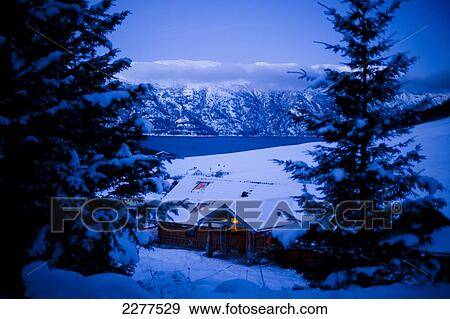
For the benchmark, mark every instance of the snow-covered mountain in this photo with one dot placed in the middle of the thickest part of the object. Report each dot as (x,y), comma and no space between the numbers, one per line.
(239,110)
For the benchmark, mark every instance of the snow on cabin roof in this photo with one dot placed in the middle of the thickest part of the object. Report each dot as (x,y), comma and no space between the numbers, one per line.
(261,205)
(200,188)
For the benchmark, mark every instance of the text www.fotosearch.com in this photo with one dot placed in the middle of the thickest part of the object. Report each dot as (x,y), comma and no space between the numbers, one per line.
(233,309)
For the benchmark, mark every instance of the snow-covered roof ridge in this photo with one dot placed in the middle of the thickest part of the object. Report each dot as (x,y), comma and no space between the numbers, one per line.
(215,188)
(274,201)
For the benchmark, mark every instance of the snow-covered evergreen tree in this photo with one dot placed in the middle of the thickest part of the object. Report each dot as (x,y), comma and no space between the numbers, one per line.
(68,129)
(365,158)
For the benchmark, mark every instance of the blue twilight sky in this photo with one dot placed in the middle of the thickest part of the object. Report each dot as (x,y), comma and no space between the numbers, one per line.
(242,32)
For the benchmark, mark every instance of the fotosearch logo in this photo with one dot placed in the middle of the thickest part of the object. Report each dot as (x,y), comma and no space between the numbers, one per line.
(110,214)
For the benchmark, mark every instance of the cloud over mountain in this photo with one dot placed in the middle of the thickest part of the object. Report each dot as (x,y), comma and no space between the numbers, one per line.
(260,75)
(170,73)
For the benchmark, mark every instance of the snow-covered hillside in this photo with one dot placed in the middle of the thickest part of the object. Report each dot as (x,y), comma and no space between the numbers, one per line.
(258,164)
(176,273)
(240,110)
(225,111)
(179,273)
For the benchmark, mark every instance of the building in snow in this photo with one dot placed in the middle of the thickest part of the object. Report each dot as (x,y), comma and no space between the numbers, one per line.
(220,173)
(229,216)
(195,172)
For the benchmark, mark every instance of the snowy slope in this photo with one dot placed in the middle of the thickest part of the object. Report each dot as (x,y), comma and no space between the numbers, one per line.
(435,139)
(41,281)
(253,165)
(177,273)
(258,165)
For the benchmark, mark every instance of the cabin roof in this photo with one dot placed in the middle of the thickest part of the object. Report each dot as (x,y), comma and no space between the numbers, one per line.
(260,205)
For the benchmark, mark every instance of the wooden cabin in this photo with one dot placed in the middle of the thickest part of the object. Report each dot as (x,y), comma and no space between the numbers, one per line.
(229,216)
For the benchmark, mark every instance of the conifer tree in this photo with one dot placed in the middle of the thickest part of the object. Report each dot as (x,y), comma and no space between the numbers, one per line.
(366,157)
(68,129)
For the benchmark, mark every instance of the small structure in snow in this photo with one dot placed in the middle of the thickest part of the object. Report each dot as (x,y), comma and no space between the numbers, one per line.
(195,172)
(220,173)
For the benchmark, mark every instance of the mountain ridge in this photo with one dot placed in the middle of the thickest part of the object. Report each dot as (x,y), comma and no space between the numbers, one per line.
(239,110)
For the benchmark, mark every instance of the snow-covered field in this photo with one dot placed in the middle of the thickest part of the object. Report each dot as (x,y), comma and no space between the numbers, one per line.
(257,165)
(177,273)
(41,281)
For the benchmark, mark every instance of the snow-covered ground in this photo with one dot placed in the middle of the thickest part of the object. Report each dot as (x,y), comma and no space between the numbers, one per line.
(257,165)
(41,281)
(435,140)
(177,273)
